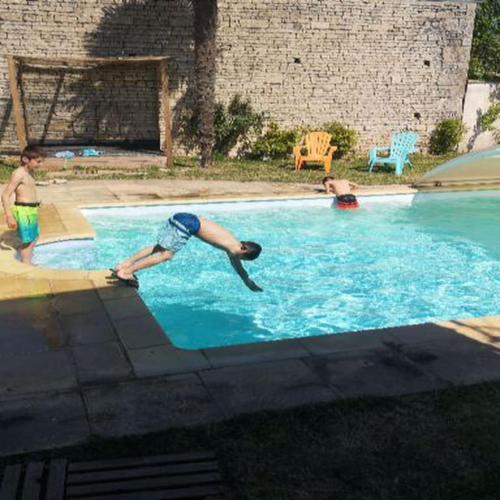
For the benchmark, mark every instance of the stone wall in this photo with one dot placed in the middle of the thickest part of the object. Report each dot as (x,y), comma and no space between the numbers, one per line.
(376,65)
(379,66)
(478,99)
(82,105)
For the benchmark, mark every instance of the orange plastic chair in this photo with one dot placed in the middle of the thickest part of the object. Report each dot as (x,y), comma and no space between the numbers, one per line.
(315,148)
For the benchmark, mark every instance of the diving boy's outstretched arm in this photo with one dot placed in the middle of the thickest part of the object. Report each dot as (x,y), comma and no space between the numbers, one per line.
(237,266)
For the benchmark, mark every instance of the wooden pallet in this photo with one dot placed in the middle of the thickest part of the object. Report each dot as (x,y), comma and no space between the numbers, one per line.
(192,476)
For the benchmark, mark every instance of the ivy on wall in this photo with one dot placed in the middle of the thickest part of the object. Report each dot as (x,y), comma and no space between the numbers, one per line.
(485,53)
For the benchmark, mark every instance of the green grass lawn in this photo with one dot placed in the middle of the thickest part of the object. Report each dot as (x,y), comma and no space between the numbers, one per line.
(443,445)
(354,169)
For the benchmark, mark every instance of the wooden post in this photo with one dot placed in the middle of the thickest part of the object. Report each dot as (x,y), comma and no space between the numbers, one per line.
(16,101)
(167,144)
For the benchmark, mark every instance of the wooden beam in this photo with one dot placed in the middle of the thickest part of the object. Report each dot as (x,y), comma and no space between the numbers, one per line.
(13,66)
(167,121)
(84,61)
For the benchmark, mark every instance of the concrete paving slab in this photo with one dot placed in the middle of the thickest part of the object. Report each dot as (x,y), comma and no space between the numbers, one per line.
(20,319)
(113,292)
(252,353)
(422,334)
(101,362)
(265,386)
(127,307)
(330,344)
(88,328)
(372,373)
(42,422)
(149,406)
(165,359)
(19,336)
(31,308)
(72,285)
(77,303)
(36,288)
(463,362)
(485,330)
(32,373)
(143,331)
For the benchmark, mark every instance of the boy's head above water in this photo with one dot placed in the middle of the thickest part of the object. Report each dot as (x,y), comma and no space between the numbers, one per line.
(32,157)
(327,178)
(250,250)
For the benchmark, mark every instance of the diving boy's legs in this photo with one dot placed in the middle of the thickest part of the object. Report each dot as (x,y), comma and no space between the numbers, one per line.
(138,256)
(148,257)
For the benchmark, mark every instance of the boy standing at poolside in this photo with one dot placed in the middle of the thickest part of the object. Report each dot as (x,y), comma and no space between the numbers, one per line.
(342,189)
(23,216)
(173,236)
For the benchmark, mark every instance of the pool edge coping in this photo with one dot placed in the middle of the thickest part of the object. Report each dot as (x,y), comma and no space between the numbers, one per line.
(85,231)
(161,360)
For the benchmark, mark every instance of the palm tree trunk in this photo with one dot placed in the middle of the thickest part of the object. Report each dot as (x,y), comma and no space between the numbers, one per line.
(205,27)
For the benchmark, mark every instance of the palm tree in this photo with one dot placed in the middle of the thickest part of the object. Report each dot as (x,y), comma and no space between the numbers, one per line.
(205,27)
(110,33)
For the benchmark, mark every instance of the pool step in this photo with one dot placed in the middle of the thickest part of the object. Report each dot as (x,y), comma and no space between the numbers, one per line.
(193,476)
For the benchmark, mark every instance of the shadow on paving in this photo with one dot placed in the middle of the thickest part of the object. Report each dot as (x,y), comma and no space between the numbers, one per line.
(73,357)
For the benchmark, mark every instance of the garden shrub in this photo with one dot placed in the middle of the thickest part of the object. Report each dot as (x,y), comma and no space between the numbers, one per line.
(234,126)
(343,137)
(488,121)
(276,142)
(447,136)
(490,117)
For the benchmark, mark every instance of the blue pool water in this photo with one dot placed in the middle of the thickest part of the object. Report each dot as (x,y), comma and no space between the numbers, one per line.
(393,262)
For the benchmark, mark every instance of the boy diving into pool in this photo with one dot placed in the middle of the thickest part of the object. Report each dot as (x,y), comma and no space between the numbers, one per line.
(175,233)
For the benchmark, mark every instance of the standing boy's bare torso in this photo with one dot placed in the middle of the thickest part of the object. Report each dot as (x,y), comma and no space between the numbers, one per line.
(25,191)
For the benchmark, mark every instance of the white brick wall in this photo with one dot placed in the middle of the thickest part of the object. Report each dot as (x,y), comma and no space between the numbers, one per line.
(372,64)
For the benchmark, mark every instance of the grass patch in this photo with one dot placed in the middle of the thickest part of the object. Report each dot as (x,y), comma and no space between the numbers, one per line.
(6,169)
(442,445)
(354,169)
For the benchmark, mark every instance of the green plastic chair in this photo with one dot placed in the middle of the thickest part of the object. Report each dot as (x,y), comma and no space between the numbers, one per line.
(402,145)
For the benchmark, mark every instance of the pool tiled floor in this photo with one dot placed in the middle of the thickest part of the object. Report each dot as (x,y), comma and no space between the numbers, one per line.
(80,355)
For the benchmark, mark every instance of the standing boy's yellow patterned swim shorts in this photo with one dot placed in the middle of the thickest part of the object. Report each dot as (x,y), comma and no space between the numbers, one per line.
(26,215)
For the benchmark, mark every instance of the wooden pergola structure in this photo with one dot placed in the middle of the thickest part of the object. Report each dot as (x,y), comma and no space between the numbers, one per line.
(15,63)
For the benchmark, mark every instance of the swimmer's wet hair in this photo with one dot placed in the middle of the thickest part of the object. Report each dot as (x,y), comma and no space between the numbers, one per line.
(327,178)
(253,250)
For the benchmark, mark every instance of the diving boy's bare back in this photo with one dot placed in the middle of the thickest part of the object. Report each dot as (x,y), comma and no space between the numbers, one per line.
(175,234)
(219,237)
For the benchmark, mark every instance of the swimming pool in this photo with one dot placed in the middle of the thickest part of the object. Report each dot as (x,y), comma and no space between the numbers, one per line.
(397,261)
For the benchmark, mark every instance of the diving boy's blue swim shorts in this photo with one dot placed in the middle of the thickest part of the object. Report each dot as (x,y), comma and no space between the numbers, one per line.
(175,233)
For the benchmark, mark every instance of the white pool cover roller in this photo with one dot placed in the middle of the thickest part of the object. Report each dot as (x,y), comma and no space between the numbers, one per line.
(481,168)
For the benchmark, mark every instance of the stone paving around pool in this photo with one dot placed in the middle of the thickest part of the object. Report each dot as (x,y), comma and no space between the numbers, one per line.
(80,355)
